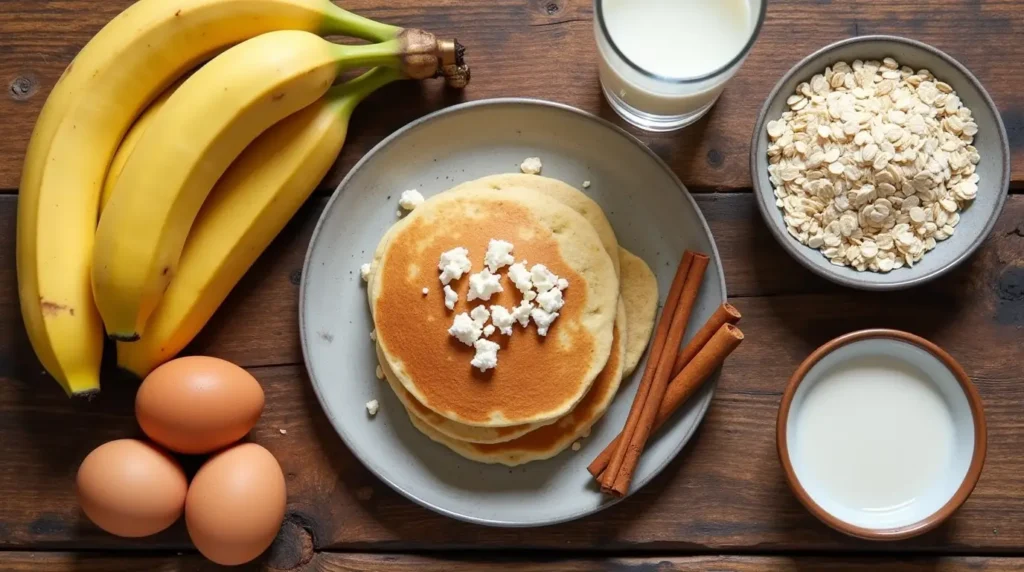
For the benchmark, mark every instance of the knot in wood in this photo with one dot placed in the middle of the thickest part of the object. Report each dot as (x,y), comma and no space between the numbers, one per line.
(294,546)
(548,7)
(23,87)
(715,158)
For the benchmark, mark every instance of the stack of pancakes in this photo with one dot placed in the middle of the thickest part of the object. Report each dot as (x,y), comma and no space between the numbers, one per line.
(546,391)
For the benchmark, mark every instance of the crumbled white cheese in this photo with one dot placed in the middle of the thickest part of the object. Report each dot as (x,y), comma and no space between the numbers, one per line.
(454,263)
(521,313)
(541,289)
(531,166)
(465,329)
(283,431)
(499,255)
(543,319)
(410,199)
(426,291)
(480,315)
(450,297)
(502,319)
(520,276)
(551,301)
(379,372)
(543,279)
(482,285)
(365,271)
(586,184)
(372,406)
(486,355)
(373,335)
(577,446)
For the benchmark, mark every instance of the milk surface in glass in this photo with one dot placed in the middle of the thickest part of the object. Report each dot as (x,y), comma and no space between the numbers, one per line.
(664,62)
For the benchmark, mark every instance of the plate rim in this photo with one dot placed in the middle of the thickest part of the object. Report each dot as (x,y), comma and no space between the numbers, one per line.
(709,388)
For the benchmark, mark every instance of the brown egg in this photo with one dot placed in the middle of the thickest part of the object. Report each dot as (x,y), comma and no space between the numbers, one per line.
(131,488)
(198,404)
(236,504)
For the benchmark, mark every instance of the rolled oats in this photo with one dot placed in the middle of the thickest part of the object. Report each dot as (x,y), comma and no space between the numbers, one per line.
(872,163)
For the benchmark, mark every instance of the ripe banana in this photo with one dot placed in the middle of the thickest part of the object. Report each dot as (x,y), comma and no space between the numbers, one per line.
(131,60)
(131,139)
(247,208)
(201,129)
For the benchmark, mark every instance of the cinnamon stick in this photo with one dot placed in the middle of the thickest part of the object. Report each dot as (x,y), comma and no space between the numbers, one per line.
(725,314)
(615,459)
(708,359)
(691,287)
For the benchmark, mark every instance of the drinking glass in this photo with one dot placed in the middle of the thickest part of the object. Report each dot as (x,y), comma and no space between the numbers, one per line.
(633,56)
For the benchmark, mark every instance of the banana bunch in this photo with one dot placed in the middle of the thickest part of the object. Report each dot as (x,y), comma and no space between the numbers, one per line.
(195,175)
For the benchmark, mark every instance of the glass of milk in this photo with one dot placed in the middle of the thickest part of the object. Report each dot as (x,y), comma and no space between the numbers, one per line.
(663,63)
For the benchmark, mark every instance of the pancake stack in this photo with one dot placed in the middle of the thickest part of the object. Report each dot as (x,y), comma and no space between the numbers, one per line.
(546,391)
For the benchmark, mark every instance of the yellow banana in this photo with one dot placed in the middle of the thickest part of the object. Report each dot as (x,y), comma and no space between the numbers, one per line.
(131,60)
(201,129)
(131,139)
(246,209)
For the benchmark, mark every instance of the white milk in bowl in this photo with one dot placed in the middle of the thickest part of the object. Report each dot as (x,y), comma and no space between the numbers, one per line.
(873,442)
(664,62)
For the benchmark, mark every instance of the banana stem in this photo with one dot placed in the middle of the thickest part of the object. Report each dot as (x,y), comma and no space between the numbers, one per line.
(418,54)
(348,95)
(344,23)
(388,53)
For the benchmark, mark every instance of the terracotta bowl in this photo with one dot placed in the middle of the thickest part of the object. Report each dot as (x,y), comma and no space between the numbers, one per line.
(953,391)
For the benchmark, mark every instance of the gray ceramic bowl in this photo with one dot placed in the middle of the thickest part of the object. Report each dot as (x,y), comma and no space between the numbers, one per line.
(994,169)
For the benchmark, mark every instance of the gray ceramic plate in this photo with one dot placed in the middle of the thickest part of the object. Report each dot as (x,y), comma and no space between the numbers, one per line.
(653,215)
(976,221)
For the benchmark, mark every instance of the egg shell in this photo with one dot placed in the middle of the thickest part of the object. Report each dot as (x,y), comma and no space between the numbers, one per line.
(198,404)
(131,488)
(236,504)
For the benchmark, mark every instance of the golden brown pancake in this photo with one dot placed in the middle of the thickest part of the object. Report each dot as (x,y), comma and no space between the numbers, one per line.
(445,426)
(639,291)
(538,379)
(552,439)
(562,192)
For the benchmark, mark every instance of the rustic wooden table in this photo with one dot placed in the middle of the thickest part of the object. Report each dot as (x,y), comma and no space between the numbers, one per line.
(723,504)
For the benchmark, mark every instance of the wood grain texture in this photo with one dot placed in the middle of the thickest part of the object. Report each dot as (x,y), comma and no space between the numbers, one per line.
(328,562)
(725,493)
(256,325)
(524,48)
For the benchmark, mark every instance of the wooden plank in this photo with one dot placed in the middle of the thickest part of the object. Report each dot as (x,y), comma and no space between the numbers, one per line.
(524,48)
(328,562)
(725,492)
(257,325)
(389,563)
(109,562)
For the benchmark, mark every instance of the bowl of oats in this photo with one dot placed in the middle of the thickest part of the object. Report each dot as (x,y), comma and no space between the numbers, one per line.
(880,162)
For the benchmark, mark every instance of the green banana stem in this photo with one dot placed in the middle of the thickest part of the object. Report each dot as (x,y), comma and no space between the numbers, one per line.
(344,23)
(345,97)
(419,54)
(415,61)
